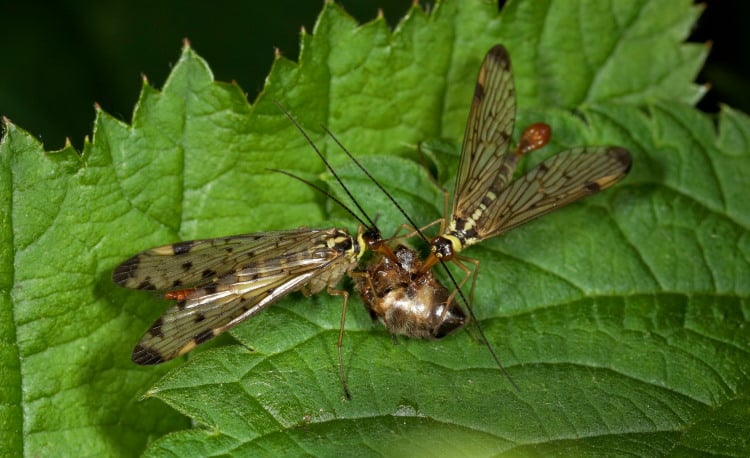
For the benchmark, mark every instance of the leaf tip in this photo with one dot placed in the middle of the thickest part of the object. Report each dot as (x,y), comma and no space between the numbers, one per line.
(144,78)
(185,44)
(276,53)
(4,128)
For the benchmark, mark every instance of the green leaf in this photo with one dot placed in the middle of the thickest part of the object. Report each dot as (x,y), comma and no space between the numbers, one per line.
(587,51)
(624,319)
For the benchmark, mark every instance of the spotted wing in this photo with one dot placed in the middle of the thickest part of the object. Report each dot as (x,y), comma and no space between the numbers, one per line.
(484,155)
(211,310)
(556,182)
(259,280)
(191,263)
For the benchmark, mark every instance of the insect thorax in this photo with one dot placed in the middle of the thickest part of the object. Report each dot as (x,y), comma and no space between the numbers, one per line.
(342,242)
(349,253)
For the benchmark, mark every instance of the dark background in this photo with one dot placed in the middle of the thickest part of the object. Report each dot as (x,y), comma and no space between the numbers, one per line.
(59,57)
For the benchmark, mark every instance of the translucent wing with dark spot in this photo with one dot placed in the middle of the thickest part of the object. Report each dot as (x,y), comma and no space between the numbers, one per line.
(217,283)
(187,264)
(560,180)
(484,154)
(208,312)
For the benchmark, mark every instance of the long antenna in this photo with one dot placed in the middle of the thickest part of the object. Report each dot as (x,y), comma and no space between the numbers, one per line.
(328,165)
(377,183)
(479,329)
(322,191)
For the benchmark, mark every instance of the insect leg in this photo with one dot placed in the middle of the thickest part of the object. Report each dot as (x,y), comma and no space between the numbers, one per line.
(340,343)
(369,294)
(412,231)
(467,273)
(446,207)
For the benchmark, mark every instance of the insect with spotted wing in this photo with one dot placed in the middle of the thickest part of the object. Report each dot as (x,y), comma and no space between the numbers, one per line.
(218,283)
(486,203)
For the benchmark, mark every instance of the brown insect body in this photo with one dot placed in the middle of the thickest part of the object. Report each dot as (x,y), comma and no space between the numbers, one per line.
(408,302)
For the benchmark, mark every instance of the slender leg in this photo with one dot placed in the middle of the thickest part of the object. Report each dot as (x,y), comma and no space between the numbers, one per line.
(442,221)
(340,343)
(468,273)
(473,274)
(412,231)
